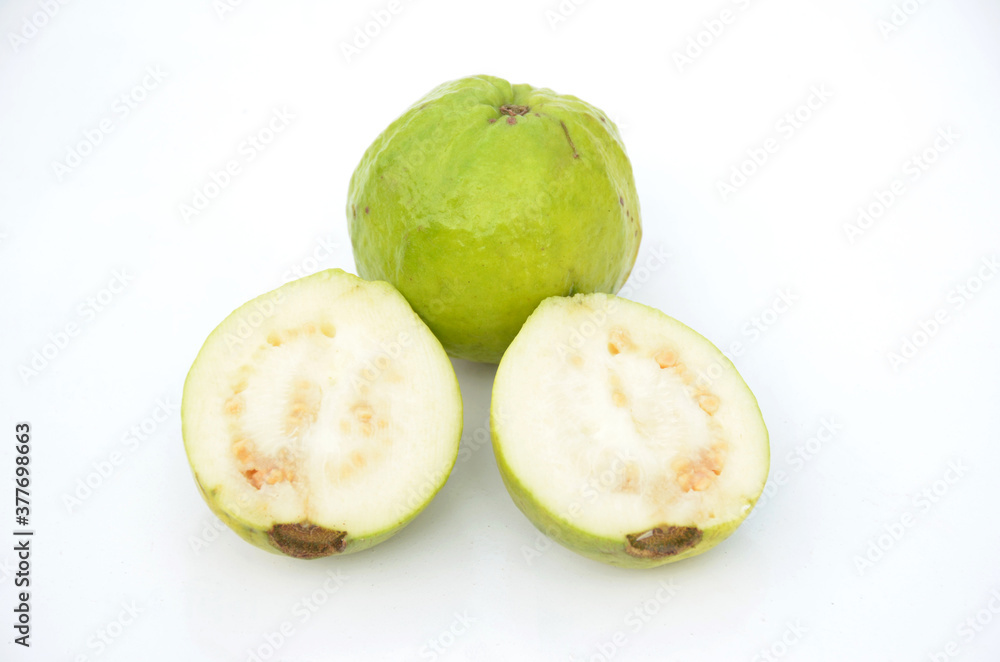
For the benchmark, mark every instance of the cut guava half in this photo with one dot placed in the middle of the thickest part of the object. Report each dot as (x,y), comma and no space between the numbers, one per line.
(322,417)
(623,434)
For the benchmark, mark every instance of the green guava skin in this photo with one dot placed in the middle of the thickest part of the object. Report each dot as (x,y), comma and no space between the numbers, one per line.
(476,215)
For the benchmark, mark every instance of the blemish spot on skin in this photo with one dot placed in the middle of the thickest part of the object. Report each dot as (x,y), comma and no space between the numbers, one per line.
(510,109)
(621,200)
(366,210)
(492,120)
(569,139)
(307,541)
(511,120)
(662,541)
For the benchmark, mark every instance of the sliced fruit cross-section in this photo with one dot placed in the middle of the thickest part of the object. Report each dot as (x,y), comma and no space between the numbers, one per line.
(625,435)
(321,417)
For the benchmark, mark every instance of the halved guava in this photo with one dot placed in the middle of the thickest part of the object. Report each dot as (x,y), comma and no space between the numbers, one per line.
(625,435)
(320,418)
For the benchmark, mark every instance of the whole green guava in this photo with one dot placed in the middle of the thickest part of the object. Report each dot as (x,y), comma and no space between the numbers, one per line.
(484,198)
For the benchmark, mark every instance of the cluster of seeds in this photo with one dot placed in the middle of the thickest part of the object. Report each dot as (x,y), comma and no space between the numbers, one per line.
(692,474)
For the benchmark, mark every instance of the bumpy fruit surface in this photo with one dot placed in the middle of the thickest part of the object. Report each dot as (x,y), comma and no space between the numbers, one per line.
(484,198)
(625,435)
(320,418)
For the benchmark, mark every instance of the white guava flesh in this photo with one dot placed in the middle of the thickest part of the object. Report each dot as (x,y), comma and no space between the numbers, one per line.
(321,417)
(624,434)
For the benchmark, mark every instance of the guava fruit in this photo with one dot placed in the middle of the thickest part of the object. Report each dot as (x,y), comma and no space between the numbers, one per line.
(484,198)
(320,418)
(625,435)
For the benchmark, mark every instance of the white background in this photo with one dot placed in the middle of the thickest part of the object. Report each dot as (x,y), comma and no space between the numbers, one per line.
(814,575)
